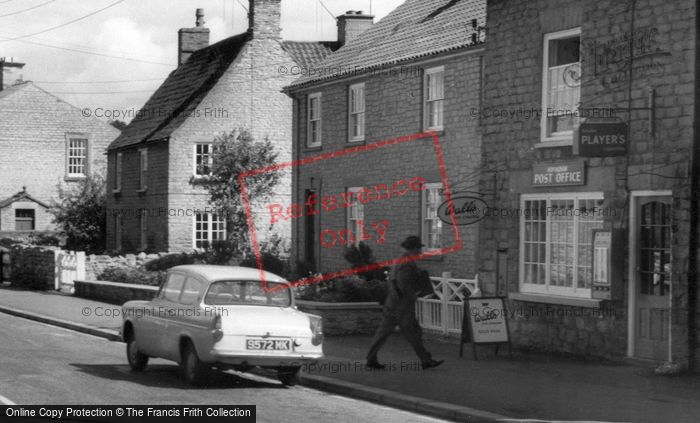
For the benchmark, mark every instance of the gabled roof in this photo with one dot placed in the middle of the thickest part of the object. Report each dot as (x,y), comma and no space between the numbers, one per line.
(415,29)
(183,90)
(22,195)
(187,86)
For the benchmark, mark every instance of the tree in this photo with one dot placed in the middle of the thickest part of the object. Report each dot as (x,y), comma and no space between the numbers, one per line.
(80,214)
(234,154)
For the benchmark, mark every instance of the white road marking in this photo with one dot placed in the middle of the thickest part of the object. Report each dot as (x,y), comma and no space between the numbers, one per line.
(6,401)
(548,421)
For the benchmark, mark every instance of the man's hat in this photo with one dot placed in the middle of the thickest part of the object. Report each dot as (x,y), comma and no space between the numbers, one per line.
(412,242)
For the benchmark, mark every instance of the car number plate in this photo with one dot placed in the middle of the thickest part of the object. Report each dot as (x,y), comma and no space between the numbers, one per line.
(268,344)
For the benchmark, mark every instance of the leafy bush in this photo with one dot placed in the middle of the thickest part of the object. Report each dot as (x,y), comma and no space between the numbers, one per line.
(344,289)
(168,261)
(39,238)
(9,242)
(80,214)
(132,275)
(361,255)
(271,263)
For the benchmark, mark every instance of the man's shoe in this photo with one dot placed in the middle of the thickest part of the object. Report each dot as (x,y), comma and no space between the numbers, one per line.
(432,363)
(375,365)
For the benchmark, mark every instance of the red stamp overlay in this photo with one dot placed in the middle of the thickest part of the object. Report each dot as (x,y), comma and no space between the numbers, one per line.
(377,193)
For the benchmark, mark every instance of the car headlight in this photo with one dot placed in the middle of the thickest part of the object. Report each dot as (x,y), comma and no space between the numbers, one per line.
(316,324)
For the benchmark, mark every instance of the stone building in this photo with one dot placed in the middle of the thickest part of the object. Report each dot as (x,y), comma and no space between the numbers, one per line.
(588,166)
(417,70)
(155,202)
(44,142)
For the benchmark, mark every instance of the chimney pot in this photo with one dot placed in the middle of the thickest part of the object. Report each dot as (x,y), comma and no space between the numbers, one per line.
(190,40)
(352,24)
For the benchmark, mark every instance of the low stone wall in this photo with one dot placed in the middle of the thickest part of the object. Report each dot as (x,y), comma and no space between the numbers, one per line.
(113,292)
(33,267)
(96,264)
(345,318)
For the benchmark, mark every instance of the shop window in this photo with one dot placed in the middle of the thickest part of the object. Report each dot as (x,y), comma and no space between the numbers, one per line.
(556,243)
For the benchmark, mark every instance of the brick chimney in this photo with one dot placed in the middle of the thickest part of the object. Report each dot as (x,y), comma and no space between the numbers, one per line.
(10,72)
(190,40)
(352,24)
(264,18)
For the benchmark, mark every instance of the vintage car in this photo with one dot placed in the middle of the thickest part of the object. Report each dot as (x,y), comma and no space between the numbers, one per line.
(207,317)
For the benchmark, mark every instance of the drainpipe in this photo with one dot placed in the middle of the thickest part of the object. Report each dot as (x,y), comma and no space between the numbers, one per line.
(694,210)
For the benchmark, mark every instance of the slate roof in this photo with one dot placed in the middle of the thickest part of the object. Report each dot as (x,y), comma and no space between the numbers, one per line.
(415,29)
(22,195)
(186,87)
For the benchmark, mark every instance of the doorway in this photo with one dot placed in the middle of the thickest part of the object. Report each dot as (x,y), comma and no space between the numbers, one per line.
(650,276)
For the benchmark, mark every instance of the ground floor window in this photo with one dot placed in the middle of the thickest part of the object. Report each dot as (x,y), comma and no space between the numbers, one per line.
(556,242)
(208,227)
(431,225)
(24,219)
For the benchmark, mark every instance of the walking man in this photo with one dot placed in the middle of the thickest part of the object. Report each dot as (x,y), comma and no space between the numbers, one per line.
(399,308)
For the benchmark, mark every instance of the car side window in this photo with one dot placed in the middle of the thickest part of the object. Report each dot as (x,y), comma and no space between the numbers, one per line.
(172,288)
(190,293)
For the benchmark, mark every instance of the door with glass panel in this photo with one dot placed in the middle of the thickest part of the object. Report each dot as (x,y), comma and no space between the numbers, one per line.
(653,276)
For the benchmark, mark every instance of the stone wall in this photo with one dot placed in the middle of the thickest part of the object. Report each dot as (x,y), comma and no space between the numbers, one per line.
(33,267)
(96,264)
(657,158)
(345,318)
(113,292)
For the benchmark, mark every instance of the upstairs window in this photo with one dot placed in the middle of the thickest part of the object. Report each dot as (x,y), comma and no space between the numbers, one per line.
(561,85)
(118,172)
(143,168)
(203,159)
(76,166)
(434,97)
(356,112)
(314,120)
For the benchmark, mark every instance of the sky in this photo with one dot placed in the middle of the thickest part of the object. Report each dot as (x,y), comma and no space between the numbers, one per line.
(142,34)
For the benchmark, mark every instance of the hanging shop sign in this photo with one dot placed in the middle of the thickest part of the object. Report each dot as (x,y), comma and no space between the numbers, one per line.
(603,139)
(559,174)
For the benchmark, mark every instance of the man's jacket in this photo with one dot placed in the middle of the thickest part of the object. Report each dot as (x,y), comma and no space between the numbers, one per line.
(406,282)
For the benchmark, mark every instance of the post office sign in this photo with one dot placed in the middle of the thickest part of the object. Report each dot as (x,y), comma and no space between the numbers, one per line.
(559,174)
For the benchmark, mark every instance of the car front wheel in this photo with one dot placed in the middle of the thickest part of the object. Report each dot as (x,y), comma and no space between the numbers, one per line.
(289,376)
(137,359)
(194,370)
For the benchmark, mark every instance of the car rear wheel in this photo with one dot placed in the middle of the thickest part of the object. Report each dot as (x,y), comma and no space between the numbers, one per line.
(193,369)
(137,359)
(289,376)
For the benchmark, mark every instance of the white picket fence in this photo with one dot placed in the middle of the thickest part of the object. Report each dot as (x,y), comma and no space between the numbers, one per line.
(70,265)
(443,310)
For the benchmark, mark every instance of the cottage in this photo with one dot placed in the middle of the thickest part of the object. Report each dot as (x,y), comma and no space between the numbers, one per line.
(44,142)
(155,201)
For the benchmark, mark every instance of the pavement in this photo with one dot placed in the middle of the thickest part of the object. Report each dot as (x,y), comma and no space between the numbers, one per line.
(505,388)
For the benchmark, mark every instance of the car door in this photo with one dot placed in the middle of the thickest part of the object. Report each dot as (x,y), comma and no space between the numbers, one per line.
(163,308)
(186,318)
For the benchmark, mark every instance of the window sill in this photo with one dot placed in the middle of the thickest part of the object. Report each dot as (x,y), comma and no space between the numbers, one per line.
(439,131)
(554,299)
(117,191)
(555,143)
(75,178)
(313,148)
(142,190)
(354,143)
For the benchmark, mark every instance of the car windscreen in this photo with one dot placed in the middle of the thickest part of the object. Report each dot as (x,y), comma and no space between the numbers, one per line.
(246,293)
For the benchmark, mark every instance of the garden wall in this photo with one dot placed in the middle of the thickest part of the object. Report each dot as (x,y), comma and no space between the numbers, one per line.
(113,292)
(345,318)
(33,267)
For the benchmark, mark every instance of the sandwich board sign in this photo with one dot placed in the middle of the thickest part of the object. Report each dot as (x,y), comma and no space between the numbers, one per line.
(485,322)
